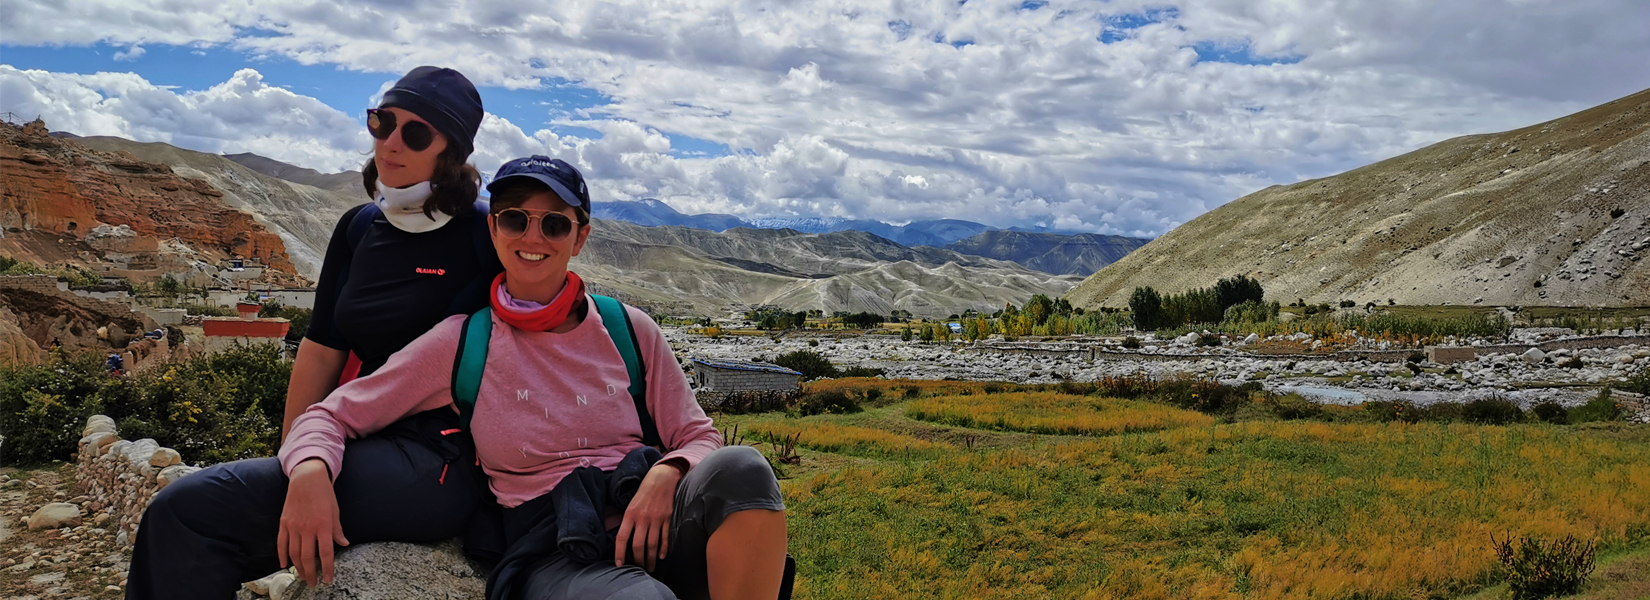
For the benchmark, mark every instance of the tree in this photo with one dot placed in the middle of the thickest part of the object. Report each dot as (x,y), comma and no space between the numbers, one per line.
(1147,308)
(1040,308)
(905,334)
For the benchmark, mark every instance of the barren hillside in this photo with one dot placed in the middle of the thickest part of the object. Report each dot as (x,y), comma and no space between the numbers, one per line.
(1553,214)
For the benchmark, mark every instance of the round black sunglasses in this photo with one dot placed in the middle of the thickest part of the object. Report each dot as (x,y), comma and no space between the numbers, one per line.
(417,135)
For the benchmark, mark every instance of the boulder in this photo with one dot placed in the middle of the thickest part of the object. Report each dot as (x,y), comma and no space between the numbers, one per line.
(55,515)
(173,473)
(99,423)
(1533,356)
(165,457)
(99,441)
(394,571)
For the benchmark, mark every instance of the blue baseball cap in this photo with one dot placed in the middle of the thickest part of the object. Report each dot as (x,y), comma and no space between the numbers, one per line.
(561,177)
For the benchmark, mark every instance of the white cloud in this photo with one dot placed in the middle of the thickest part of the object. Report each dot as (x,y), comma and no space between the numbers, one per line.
(854,109)
(130,54)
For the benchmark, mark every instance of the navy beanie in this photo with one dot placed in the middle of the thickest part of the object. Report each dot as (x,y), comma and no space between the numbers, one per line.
(444,98)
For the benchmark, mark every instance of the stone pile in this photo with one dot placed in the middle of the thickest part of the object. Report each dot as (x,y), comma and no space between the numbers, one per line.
(121,476)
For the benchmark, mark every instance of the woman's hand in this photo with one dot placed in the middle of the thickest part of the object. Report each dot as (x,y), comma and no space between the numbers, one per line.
(309,522)
(645,530)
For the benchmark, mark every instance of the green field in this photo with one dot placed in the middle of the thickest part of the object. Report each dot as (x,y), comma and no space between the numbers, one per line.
(965,501)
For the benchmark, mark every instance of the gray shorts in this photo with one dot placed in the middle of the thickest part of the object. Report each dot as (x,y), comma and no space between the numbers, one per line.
(731,479)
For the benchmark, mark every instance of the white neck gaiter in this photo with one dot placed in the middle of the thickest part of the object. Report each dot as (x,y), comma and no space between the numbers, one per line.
(404,208)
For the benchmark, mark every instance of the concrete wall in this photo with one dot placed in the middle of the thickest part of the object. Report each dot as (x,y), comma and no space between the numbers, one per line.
(217,343)
(728,380)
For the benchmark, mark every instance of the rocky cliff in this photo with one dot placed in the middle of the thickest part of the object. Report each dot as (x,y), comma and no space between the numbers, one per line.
(58,186)
(1553,214)
(302,215)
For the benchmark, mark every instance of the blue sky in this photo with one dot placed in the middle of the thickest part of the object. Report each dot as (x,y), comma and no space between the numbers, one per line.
(1121,117)
(349,91)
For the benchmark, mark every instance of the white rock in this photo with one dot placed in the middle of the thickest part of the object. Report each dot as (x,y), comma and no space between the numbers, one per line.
(54,515)
(1533,356)
(140,452)
(165,457)
(174,473)
(98,441)
(281,586)
(98,423)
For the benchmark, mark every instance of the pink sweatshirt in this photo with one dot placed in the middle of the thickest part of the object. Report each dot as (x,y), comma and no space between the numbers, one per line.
(549,403)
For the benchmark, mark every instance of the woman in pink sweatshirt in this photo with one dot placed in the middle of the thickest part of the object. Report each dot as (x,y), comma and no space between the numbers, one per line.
(706,521)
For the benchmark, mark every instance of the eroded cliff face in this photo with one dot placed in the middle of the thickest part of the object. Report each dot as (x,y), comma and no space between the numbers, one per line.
(59,186)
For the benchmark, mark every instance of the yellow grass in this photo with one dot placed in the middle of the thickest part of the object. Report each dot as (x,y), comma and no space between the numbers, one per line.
(1056,413)
(1251,510)
(830,437)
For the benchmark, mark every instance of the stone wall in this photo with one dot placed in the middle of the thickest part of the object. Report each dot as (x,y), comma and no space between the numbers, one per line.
(730,380)
(121,476)
(1634,407)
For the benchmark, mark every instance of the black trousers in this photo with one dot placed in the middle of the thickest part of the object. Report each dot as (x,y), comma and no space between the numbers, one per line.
(205,534)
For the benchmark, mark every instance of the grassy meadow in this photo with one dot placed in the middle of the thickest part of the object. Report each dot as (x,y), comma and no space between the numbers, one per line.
(954,491)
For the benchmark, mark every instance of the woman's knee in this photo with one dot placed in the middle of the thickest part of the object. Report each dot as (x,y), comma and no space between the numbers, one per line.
(738,478)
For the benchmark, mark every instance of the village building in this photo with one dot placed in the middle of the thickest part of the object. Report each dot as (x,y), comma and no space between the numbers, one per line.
(223,333)
(724,376)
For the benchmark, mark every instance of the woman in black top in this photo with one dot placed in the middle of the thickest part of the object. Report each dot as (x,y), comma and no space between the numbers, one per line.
(395,267)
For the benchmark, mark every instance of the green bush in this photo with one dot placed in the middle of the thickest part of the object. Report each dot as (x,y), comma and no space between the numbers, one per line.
(1492,411)
(212,409)
(833,402)
(1551,412)
(812,365)
(1208,339)
(1601,408)
(1537,569)
(912,392)
(1131,342)
(1292,406)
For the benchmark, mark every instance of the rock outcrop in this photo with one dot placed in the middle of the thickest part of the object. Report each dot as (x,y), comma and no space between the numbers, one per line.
(59,186)
(45,315)
(1553,214)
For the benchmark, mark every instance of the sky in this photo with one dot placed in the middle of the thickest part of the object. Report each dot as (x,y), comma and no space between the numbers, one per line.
(1119,117)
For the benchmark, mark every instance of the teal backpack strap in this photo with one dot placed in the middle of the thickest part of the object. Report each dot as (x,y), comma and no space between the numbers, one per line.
(617,321)
(470,361)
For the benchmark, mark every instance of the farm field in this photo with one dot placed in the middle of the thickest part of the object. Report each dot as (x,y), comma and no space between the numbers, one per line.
(949,491)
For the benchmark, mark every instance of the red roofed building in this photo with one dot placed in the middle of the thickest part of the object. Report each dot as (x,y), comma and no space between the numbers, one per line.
(223,333)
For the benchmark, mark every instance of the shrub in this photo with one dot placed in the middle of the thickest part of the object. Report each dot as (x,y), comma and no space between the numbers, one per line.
(1292,406)
(1492,411)
(1638,384)
(217,408)
(1075,388)
(1601,408)
(1348,304)
(827,402)
(1551,412)
(812,365)
(872,395)
(1208,339)
(1573,362)
(1131,342)
(1537,569)
(1416,357)
(813,343)
(912,392)
(1385,411)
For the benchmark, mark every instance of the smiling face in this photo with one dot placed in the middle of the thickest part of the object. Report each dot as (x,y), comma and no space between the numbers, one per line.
(536,267)
(398,165)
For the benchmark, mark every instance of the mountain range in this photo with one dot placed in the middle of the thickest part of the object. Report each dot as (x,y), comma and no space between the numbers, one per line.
(937,232)
(286,216)
(1556,213)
